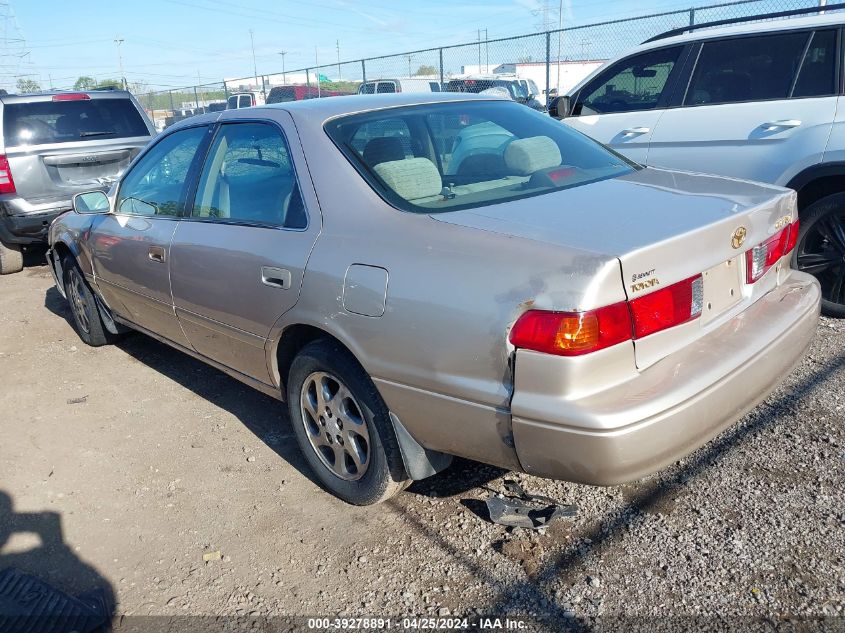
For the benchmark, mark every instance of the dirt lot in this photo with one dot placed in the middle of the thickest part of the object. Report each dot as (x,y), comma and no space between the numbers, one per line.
(124,465)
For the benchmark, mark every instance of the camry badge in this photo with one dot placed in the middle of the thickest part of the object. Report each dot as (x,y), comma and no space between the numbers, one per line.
(738,238)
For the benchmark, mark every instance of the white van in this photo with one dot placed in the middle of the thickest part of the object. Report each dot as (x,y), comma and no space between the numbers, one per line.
(411,84)
(239,100)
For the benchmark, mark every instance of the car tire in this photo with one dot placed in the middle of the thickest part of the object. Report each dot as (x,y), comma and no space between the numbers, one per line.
(87,319)
(11,258)
(345,432)
(820,250)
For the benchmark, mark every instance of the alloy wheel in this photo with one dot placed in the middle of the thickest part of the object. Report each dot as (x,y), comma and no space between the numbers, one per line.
(79,304)
(822,253)
(335,426)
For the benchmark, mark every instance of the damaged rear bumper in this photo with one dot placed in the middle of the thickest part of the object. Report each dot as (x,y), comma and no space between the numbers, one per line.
(674,406)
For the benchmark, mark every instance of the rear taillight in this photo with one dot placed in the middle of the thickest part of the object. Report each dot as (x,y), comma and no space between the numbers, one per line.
(667,307)
(759,259)
(72,96)
(7,184)
(572,333)
(577,333)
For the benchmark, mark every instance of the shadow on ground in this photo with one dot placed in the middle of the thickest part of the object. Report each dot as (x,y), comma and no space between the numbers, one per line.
(33,543)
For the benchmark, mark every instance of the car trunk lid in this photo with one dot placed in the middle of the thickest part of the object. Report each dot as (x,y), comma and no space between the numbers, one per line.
(663,227)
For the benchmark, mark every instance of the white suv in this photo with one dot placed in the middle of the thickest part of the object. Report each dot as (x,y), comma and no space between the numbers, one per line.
(760,101)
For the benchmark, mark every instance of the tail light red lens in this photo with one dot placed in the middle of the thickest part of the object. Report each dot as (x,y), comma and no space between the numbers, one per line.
(7,184)
(72,96)
(578,333)
(762,257)
(572,333)
(667,307)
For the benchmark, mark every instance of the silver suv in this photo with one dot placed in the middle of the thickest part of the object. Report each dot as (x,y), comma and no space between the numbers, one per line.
(54,145)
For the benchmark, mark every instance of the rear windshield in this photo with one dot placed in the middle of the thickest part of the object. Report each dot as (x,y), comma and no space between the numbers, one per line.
(70,121)
(450,156)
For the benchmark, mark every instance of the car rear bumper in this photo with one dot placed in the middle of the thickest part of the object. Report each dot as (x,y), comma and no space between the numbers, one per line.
(23,223)
(677,404)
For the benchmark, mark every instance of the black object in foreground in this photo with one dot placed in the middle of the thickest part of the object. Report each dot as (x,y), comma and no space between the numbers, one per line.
(526,510)
(31,606)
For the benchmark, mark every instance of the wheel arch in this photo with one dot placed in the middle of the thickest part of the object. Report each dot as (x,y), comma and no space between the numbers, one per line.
(419,462)
(817,182)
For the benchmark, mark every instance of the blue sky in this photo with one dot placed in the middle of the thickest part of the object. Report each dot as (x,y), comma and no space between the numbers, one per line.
(169,43)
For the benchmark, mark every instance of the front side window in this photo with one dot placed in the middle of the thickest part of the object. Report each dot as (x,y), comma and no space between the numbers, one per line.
(233,102)
(450,156)
(156,185)
(746,69)
(248,177)
(634,84)
(367,88)
(386,86)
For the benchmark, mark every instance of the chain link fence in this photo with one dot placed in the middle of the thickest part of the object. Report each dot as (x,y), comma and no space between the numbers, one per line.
(549,62)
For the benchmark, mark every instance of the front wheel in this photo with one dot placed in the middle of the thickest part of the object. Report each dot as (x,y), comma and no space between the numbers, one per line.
(86,315)
(342,425)
(820,250)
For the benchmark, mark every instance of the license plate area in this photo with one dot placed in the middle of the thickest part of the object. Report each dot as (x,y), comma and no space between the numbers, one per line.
(722,289)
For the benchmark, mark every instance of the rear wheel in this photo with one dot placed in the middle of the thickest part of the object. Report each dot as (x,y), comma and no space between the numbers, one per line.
(343,426)
(86,315)
(820,250)
(11,258)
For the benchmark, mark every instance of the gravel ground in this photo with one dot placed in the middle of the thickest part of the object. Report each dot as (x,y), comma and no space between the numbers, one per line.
(124,466)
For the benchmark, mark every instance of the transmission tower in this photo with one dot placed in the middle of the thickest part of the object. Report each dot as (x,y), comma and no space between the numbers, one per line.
(15,59)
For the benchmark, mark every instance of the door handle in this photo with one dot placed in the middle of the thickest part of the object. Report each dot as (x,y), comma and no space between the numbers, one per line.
(785,123)
(636,131)
(157,254)
(275,277)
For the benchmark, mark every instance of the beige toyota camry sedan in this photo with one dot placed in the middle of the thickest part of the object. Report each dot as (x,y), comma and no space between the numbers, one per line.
(422,276)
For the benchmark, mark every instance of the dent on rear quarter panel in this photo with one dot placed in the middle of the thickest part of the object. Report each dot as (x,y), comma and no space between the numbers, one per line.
(439,354)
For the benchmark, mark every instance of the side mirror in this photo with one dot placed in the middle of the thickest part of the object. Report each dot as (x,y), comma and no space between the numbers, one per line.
(91,202)
(559,107)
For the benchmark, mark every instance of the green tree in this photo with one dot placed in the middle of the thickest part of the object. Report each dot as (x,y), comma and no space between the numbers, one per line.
(426,70)
(85,83)
(28,85)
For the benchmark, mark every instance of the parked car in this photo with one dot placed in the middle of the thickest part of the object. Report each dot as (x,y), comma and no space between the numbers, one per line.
(516,89)
(56,144)
(574,315)
(762,101)
(407,84)
(238,100)
(283,94)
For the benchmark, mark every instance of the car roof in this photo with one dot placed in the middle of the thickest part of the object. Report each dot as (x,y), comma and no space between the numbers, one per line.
(331,107)
(319,110)
(48,95)
(748,28)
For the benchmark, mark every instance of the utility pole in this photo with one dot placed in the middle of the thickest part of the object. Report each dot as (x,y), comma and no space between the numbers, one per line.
(337,43)
(559,36)
(409,66)
(486,52)
(284,79)
(479,50)
(317,70)
(119,41)
(255,66)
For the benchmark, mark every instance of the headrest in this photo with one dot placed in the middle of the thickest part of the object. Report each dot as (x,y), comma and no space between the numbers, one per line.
(382,150)
(527,155)
(411,178)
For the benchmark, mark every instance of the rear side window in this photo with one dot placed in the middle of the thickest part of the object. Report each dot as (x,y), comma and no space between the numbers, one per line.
(634,84)
(71,121)
(450,156)
(746,69)
(386,86)
(244,101)
(249,177)
(817,77)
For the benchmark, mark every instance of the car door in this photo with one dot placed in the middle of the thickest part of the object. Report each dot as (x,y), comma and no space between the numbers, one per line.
(131,245)
(758,107)
(621,106)
(238,258)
